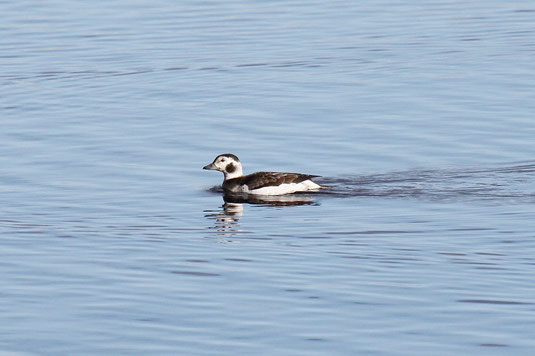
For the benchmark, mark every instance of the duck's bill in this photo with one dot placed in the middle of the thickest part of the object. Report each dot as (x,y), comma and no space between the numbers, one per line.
(210,166)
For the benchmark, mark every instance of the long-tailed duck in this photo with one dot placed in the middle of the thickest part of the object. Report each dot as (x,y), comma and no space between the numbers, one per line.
(260,183)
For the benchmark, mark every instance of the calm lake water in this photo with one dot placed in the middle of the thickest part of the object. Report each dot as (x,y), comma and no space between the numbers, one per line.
(418,115)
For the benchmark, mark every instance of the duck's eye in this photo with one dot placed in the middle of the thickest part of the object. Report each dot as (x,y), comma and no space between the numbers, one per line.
(223,160)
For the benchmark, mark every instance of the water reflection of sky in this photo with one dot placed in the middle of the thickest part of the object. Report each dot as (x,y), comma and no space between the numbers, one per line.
(419,117)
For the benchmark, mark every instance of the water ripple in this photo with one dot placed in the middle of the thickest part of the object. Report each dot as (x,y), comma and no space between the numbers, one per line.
(497,184)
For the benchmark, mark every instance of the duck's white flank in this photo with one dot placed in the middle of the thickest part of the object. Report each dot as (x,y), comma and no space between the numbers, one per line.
(286,188)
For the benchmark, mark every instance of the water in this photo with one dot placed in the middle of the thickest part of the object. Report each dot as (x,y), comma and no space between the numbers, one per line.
(418,116)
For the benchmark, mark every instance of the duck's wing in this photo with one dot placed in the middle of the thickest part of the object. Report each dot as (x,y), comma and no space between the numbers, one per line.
(267,179)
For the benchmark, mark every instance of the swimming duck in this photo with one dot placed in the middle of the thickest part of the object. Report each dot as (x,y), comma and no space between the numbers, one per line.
(259,183)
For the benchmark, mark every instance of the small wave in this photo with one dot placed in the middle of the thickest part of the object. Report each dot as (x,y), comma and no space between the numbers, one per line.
(491,183)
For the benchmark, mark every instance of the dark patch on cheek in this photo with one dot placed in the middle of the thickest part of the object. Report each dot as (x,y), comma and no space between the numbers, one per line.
(230,168)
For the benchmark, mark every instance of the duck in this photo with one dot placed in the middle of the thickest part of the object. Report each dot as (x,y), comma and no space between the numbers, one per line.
(259,183)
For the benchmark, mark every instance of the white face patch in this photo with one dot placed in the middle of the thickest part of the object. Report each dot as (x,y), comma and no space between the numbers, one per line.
(221,162)
(229,166)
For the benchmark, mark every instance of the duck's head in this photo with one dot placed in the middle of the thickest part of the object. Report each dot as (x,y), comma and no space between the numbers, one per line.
(227,163)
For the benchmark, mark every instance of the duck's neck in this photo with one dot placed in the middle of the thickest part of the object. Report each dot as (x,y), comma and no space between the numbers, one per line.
(237,172)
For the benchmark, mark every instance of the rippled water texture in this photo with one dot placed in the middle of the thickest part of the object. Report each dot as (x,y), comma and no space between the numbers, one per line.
(419,116)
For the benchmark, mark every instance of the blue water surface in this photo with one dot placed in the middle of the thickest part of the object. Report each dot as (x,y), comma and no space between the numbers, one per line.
(418,116)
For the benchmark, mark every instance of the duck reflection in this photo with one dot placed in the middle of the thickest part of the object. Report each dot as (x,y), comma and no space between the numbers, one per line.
(273,200)
(227,218)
